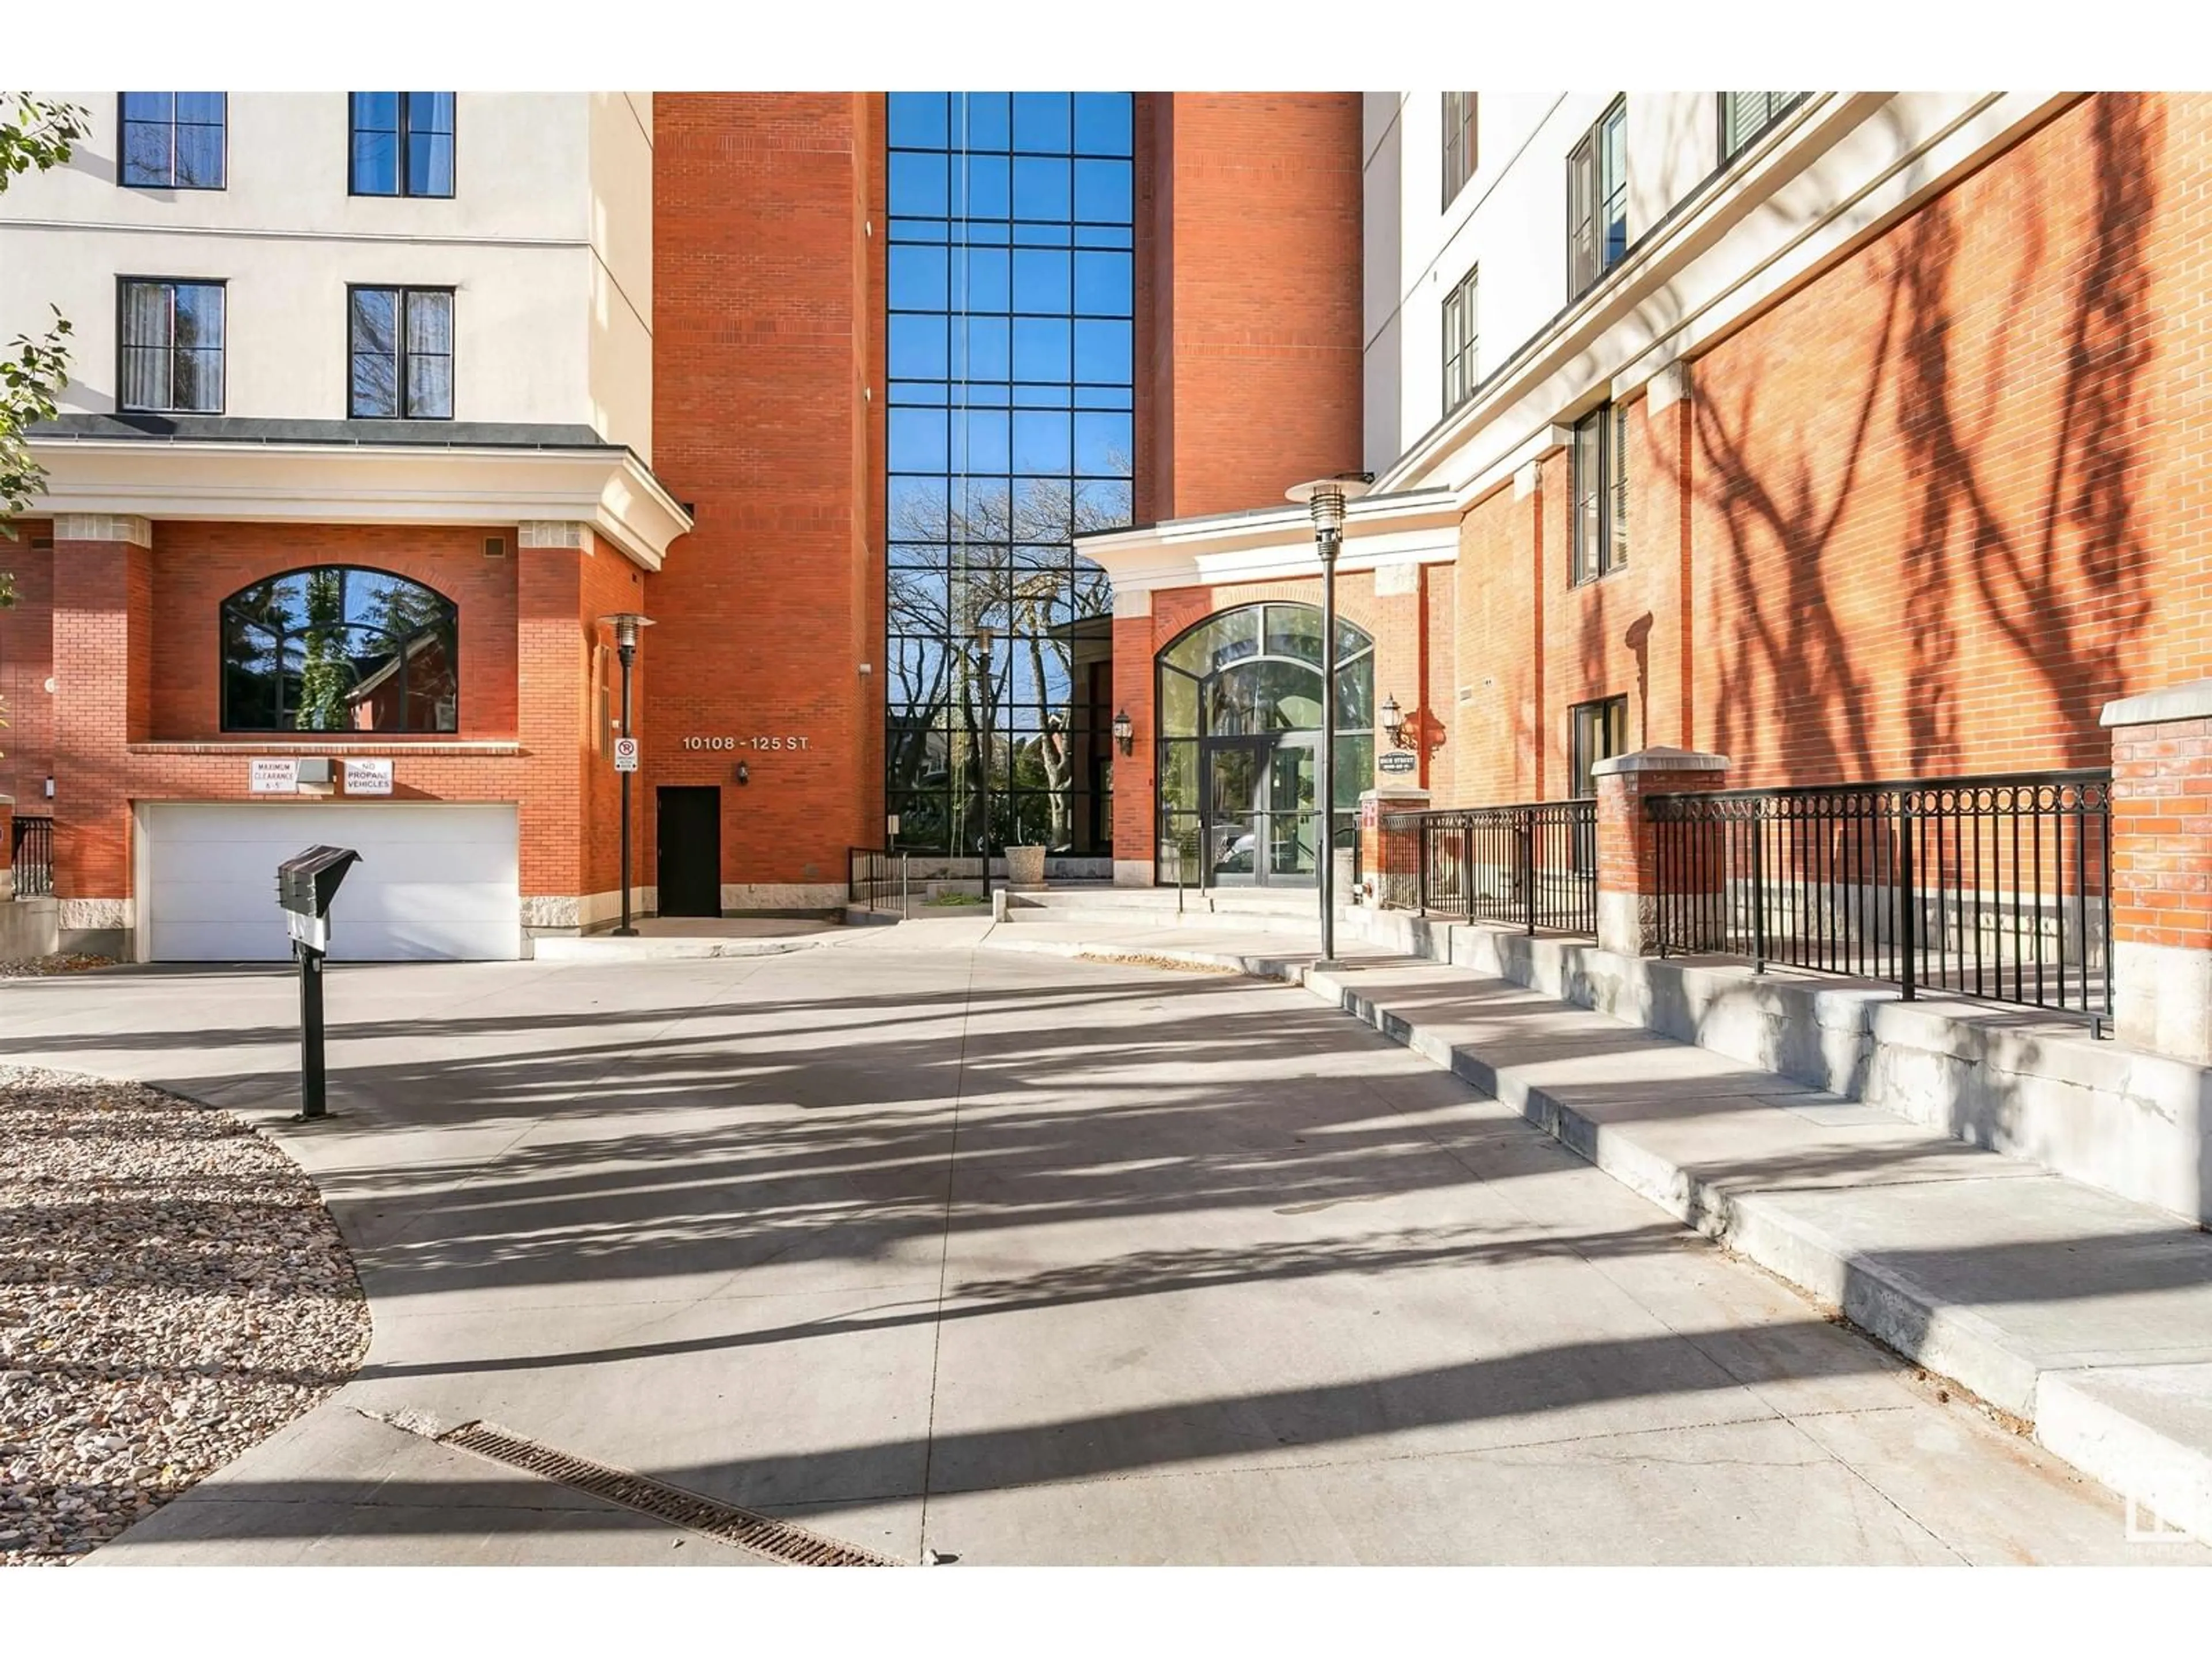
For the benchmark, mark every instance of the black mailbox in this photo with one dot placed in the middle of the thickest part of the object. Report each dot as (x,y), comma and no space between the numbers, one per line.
(305,885)
(308,881)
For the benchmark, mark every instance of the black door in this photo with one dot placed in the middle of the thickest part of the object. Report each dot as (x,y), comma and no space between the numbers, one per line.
(690,851)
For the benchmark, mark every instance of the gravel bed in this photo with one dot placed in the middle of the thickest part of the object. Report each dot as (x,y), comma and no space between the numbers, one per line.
(38,967)
(172,1290)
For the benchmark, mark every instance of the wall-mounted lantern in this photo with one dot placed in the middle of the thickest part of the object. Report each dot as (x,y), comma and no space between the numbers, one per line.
(1393,723)
(1125,731)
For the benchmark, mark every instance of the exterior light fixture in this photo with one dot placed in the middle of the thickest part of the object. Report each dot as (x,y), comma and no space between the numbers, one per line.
(744,774)
(1125,732)
(1393,723)
(1325,498)
(627,625)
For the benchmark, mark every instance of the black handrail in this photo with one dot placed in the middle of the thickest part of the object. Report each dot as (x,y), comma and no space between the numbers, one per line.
(1533,865)
(1995,887)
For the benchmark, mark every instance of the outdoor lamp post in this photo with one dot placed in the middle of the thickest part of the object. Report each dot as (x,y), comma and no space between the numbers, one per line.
(627,625)
(1325,499)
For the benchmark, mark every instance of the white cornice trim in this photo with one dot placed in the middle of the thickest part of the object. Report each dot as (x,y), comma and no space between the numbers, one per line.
(1415,527)
(1839,171)
(610,489)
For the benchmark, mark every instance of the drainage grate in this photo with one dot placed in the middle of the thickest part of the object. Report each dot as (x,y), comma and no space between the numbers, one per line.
(778,1540)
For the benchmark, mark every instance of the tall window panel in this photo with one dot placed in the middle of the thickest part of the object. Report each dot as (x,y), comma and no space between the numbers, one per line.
(1597,200)
(1461,154)
(1461,319)
(170,343)
(1595,730)
(1598,490)
(401,345)
(1745,115)
(174,139)
(1011,429)
(402,143)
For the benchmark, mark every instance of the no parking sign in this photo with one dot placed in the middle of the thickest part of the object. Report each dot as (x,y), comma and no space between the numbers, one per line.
(625,754)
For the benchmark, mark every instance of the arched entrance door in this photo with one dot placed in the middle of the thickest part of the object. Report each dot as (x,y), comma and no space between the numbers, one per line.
(1238,699)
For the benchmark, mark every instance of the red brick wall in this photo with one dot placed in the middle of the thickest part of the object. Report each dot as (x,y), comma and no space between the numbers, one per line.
(26,657)
(136,659)
(1951,497)
(767,302)
(197,566)
(1925,516)
(1248,296)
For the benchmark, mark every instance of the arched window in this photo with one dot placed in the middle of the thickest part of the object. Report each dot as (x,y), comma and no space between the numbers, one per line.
(1238,710)
(337,649)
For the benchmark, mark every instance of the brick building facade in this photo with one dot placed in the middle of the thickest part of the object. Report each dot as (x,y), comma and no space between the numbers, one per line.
(1910,394)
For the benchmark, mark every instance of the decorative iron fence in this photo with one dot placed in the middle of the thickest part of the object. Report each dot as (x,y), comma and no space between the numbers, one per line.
(1533,865)
(1989,887)
(31,846)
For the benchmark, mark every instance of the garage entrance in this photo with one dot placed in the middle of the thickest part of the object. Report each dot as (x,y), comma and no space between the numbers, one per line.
(435,881)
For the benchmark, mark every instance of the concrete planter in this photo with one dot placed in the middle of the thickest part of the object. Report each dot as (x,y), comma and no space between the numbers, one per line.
(1025,866)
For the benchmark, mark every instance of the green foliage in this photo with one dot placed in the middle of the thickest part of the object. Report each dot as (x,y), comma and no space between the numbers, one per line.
(325,674)
(34,134)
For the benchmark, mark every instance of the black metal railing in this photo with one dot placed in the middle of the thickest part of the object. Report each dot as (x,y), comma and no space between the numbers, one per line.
(873,877)
(1989,887)
(1532,865)
(31,848)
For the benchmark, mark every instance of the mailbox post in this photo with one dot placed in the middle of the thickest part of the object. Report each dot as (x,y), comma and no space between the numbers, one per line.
(305,885)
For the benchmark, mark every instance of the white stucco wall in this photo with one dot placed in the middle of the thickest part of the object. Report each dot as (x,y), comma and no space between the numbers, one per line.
(549,227)
(1510,219)
(621,316)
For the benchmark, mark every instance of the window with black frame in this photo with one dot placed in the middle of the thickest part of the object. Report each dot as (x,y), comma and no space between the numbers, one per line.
(1595,730)
(1597,200)
(402,143)
(1459,143)
(169,344)
(172,140)
(1460,335)
(340,648)
(1745,115)
(400,342)
(1598,493)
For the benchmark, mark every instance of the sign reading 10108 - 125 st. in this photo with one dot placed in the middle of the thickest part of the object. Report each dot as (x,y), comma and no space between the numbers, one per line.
(787,740)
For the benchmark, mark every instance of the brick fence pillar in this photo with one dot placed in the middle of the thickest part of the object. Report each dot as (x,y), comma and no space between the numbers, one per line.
(2161,898)
(7,846)
(1628,869)
(1390,846)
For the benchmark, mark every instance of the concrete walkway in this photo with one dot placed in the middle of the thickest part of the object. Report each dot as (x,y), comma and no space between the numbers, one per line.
(2085,1315)
(1019,1258)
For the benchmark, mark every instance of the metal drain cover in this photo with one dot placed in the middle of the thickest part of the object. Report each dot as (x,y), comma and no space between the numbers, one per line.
(777,1540)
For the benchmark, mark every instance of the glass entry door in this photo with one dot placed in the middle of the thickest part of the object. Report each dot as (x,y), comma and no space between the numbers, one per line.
(1260,823)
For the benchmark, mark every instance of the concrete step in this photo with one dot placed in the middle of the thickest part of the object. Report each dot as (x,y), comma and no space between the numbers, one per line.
(2086,1315)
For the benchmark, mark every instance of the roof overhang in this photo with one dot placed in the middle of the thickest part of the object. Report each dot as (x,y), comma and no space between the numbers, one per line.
(1419,526)
(606,487)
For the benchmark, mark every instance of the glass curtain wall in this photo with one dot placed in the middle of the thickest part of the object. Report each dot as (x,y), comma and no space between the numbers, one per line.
(1010,400)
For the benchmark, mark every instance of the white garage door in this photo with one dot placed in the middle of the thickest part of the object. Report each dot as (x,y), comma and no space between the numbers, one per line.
(433,881)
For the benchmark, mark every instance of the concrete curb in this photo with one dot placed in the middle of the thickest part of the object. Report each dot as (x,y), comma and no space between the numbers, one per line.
(600,948)
(1142,956)
(2146,1432)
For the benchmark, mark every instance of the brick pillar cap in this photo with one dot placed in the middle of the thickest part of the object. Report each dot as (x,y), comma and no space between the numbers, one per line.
(2192,701)
(1386,792)
(1659,760)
